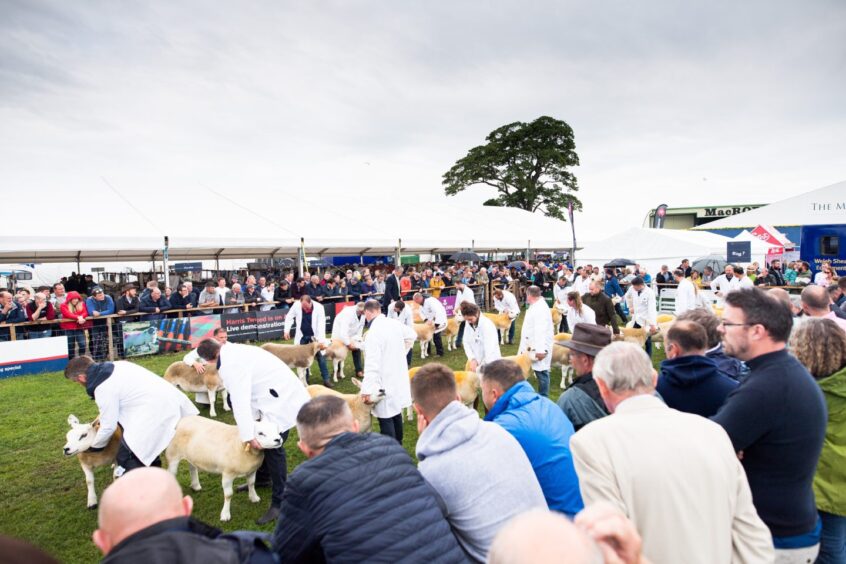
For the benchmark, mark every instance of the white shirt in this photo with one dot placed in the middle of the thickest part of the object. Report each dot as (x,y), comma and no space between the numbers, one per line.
(260,385)
(507,304)
(220,294)
(686,298)
(406,317)
(537,333)
(433,310)
(385,367)
(642,306)
(347,325)
(267,295)
(822,279)
(560,293)
(146,406)
(318,321)
(481,343)
(573,316)
(465,295)
(581,285)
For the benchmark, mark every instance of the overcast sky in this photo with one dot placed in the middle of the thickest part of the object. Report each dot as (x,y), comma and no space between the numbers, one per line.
(712,102)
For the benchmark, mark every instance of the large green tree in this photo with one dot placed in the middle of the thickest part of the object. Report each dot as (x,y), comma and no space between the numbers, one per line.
(528,165)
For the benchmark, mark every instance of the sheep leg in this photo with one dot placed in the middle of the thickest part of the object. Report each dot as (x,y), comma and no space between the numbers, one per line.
(301,374)
(195,477)
(173,460)
(89,483)
(251,488)
(423,345)
(409,413)
(212,396)
(341,370)
(225,397)
(226,481)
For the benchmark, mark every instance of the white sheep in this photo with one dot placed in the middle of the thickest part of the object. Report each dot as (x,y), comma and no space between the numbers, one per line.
(79,440)
(337,352)
(215,447)
(360,410)
(186,378)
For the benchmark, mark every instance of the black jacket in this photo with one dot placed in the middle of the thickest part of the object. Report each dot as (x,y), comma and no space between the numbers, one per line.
(603,307)
(382,510)
(123,304)
(185,539)
(392,290)
(178,302)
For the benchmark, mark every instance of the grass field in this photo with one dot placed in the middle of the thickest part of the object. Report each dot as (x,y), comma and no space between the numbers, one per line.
(44,493)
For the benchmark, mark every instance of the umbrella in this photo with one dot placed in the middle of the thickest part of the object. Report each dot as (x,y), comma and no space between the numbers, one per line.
(286,262)
(618,263)
(465,256)
(518,264)
(716,262)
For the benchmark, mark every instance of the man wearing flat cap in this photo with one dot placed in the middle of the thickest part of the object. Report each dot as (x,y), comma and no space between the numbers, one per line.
(581,402)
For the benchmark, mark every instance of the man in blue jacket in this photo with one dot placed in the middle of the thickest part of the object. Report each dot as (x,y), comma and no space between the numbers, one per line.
(689,380)
(10,312)
(358,497)
(727,365)
(539,426)
(99,304)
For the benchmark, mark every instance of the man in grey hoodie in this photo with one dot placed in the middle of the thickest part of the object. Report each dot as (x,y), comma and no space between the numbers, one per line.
(480,497)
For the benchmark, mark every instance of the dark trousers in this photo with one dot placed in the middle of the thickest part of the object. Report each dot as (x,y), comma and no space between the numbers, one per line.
(392,427)
(563,327)
(127,460)
(619,309)
(408,357)
(321,361)
(439,346)
(359,365)
(277,466)
(648,347)
(458,339)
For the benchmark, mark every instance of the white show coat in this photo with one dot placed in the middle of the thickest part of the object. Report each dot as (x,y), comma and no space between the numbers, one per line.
(318,321)
(573,316)
(481,343)
(385,367)
(508,304)
(560,293)
(433,310)
(642,306)
(581,285)
(347,325)
(405,317)
(267,295)
(686,298)
(465,295)
(537,334)
(260,386)
(723,285)
(146,406)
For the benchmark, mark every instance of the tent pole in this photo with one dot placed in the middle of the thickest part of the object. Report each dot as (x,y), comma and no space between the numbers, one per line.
(301,257)
(398,258)
(164,261)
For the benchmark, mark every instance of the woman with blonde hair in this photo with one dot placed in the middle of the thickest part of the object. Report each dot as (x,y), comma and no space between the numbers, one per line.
(825,276)
(577,312)
(820,345)
(76,323)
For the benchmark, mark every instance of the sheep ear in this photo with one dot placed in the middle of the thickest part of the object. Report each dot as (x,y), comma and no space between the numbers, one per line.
(72,420)
(356,382)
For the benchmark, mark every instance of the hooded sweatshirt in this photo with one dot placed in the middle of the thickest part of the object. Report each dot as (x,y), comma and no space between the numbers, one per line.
(480,497)
(694,384)
(830,478)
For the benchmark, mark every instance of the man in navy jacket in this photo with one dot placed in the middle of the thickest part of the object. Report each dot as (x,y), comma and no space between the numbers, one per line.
(689,380)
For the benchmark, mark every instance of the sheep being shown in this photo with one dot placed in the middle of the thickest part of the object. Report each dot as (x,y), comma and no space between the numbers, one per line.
(186,378)
(215,447)
(297,357)
(79,440)
(360,410)
(502,321)
(337,352)
(468,388)
(425,334)
(450,333)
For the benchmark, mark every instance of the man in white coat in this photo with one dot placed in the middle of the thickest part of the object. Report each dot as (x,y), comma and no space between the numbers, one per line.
(724,284)
(505,301)
(536,337)
(431,309)
(559,293)
(142,403)
(463,294)
(403,314)
(481,342)
(310,319)
(385,370)
(640,299)
(348,328)
(686,298)
(689,499)
(193,360)
(260,387)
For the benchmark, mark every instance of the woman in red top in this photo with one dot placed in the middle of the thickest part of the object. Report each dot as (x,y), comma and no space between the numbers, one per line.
(76,315)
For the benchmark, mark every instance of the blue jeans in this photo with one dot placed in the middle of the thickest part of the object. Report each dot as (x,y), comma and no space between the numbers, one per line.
(321,361)
(648,346)
(833,539)
(543,382)
(77,337)
(511,331)
(460,337)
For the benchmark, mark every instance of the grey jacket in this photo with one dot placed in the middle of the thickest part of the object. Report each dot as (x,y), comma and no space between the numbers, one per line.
(480,471)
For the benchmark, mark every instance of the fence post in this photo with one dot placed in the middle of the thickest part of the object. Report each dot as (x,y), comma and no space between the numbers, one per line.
(111,340)
(12,332)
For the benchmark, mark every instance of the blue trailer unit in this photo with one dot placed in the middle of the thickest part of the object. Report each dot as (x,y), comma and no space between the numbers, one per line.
(824,243)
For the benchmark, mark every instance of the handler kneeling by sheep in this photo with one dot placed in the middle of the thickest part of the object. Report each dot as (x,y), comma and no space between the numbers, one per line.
(260,385)
(147,407)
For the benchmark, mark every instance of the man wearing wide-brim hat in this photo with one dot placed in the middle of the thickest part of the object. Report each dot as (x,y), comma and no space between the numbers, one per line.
(581,402)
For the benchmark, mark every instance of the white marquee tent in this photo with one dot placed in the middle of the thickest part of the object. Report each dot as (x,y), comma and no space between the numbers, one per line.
(652,248)
(759,248)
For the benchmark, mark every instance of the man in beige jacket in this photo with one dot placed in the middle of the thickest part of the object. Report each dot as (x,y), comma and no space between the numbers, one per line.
(675,475)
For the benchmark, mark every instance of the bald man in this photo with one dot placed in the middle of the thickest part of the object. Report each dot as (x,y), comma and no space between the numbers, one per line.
(144,518)
(601,533)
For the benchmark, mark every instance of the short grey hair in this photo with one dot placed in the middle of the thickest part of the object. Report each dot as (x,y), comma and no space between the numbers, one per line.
(624,367)
(533,291)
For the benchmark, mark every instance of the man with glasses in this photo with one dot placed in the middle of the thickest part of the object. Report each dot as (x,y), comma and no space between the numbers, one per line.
(776,420)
